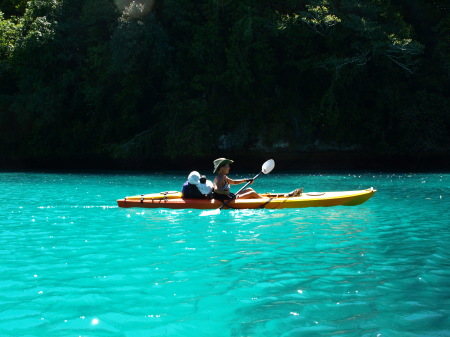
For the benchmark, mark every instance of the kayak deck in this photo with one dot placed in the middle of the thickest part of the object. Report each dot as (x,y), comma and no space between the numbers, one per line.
(174,200)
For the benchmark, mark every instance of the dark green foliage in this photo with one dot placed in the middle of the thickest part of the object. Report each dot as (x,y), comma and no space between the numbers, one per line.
(180,78)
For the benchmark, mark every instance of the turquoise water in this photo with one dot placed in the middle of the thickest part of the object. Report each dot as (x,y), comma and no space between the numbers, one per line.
(74,264)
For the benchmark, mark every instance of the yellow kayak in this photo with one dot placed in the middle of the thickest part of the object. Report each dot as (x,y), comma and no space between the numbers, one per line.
(174,200)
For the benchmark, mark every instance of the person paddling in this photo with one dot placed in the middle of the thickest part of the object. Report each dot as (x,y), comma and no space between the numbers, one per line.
(222,183)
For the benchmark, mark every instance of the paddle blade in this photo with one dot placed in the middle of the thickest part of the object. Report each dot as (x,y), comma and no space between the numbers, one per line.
(268,166)
(211,212)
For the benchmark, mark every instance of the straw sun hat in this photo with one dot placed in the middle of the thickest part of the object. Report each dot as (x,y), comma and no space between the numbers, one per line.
(220,162)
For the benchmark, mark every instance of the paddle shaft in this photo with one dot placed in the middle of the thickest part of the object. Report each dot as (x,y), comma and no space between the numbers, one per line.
(226,202)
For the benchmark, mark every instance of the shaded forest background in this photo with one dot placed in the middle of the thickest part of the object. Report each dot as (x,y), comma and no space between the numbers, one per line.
(154,83)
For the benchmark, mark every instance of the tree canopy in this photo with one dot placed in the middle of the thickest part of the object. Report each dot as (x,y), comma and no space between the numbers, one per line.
(152,79)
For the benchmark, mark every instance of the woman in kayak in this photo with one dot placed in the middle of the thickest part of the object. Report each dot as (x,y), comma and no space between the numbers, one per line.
(222,183)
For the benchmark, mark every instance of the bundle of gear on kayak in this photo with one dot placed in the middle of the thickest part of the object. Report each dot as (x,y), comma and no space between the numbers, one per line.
(197,187)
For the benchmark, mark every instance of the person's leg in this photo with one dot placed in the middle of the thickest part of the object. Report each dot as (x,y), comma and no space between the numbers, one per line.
(248,193)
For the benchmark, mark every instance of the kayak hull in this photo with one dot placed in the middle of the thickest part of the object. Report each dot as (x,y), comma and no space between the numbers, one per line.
(173,200)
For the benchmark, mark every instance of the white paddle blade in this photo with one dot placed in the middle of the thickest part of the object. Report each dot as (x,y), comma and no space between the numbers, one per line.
(211,212)
(268,166)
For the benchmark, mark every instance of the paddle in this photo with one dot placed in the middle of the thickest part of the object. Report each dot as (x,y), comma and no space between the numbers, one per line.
(266,169)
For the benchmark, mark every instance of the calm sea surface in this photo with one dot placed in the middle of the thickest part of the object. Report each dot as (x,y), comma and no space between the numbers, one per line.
(74,264)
